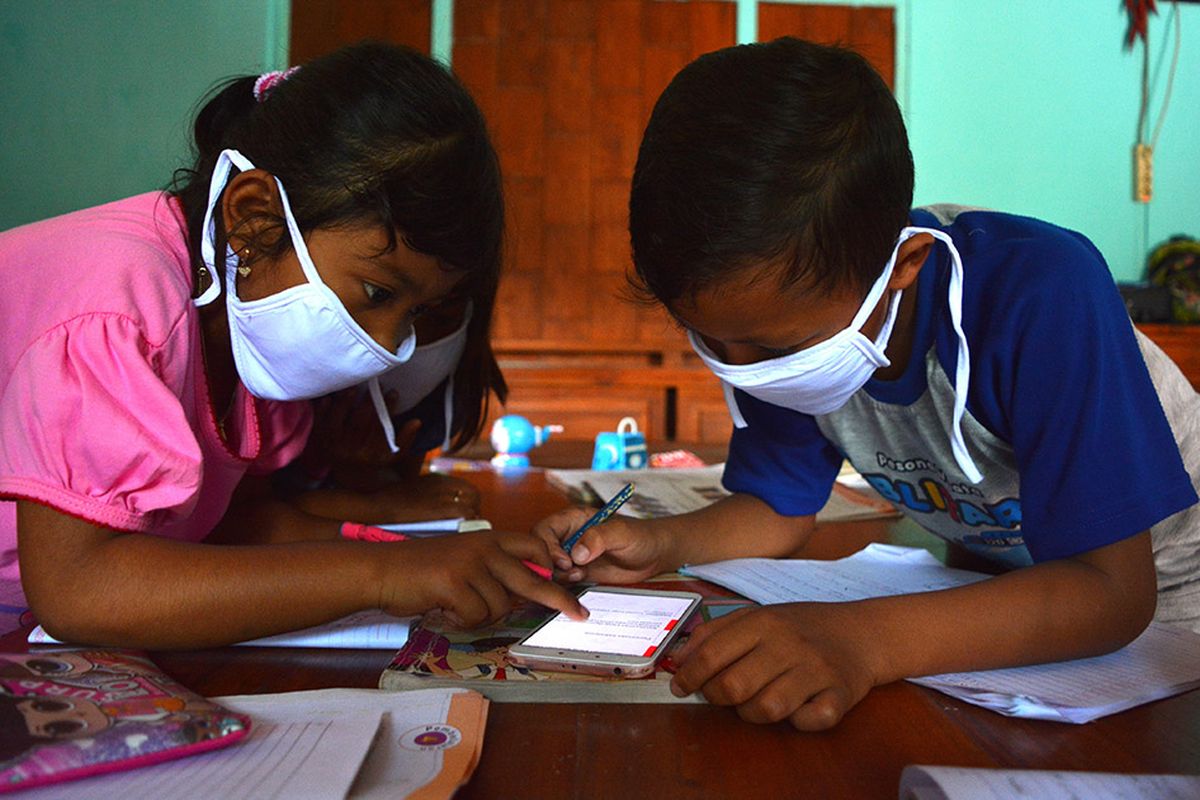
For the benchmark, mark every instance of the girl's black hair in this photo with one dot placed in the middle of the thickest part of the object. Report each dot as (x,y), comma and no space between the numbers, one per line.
(785,153)
(371,133)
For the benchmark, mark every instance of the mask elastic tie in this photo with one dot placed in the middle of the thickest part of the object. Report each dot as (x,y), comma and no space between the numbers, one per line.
(385,416)
(962,370)
(448,411)
(731,401)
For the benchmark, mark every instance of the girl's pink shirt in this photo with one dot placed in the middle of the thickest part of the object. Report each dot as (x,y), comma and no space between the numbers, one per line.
(104,406)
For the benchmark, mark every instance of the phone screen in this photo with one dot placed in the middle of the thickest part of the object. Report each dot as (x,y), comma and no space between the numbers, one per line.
(621,624)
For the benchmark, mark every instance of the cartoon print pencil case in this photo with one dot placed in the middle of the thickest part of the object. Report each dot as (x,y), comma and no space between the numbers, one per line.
(70,713)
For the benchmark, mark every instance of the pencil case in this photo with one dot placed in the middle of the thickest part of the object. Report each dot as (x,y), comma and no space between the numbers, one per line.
(71,713)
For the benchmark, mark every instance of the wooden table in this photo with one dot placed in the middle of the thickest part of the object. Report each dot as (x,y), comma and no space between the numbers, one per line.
(684,751)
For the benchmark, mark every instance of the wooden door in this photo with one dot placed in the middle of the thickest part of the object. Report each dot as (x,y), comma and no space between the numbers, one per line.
(567,87)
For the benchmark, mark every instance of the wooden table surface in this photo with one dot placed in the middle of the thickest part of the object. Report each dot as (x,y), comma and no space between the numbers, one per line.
(685,751)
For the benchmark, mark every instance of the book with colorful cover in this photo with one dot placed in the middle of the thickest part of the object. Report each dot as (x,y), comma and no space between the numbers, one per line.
(70,713)
(439,655)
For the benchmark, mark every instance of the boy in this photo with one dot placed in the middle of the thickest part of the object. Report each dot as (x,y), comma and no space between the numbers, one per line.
(979,368)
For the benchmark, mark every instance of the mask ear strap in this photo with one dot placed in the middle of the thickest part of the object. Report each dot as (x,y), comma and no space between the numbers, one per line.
(381,411)
(962,368)
(731,401)
(208,229)
(448,411)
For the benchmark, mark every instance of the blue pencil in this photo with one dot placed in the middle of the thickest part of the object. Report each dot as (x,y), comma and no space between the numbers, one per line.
(604,513)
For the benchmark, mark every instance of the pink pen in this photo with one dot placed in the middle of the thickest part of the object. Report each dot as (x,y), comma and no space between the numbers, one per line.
(359,532)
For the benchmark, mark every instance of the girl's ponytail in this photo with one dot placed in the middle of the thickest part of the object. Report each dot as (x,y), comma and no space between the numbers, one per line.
(224,110)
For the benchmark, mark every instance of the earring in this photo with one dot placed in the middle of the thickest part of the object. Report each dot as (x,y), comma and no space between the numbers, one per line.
(243,268)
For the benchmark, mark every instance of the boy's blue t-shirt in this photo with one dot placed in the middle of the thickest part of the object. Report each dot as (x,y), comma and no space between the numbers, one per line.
(1058,386)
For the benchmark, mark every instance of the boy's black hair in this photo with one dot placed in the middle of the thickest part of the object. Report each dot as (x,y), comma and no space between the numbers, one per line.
(786,153)
(379,134)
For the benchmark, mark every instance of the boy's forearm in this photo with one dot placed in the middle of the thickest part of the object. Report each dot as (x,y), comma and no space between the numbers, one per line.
(1053,611)
(739,526)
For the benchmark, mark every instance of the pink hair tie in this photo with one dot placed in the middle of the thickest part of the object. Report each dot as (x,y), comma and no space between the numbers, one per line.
(269,80)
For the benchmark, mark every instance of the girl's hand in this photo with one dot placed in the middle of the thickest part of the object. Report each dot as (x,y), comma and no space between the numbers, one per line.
(808,663)
(471,577)
(346,433)
(424,497)
(621,550)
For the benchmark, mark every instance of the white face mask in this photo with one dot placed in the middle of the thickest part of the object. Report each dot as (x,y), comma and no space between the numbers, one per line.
(412,381)
(301,342)
(822,378)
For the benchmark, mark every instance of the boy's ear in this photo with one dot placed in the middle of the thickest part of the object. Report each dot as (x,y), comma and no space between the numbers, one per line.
(909,260)
(251,208)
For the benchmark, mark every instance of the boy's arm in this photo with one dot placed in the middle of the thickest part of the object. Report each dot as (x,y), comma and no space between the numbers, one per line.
(624,549)
(811,662)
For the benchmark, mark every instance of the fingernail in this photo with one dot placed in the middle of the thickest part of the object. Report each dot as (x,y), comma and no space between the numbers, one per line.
(675,690)
(563,563)
(580,554)
(575,575)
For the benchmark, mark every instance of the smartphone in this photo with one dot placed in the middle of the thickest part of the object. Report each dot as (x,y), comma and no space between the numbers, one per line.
(626,633)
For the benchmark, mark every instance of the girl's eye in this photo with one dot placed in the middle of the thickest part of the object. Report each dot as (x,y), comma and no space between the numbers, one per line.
(376,295)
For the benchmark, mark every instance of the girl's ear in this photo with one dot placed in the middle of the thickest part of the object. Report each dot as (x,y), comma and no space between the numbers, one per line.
(251,209)
(909,260)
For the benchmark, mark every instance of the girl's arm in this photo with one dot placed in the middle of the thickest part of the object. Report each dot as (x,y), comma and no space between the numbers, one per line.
(89,584)
(257,515)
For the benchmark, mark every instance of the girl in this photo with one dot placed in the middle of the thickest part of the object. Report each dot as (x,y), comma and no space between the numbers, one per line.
(149,386)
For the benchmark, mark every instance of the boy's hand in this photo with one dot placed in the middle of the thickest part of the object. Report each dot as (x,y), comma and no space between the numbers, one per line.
(808,663)
(616,551)
(471,577)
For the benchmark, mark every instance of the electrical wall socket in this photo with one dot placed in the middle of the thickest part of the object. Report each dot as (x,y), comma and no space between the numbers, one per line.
(1143,173)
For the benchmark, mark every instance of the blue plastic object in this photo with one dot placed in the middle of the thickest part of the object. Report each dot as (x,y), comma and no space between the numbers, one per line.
(513,437)
(623,449)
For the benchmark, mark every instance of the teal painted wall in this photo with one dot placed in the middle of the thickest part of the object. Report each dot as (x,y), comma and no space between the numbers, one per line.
(97,95)
(1020,105)
(1031,107)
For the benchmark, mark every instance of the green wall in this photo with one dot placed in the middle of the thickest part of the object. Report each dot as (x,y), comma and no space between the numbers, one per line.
(1020,105)
(1031,107)
(97,95)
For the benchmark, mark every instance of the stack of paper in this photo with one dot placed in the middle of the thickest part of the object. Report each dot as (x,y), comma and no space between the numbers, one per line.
(1163,661)
(330,743)
(363,630)
(667,492)
(966,783)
